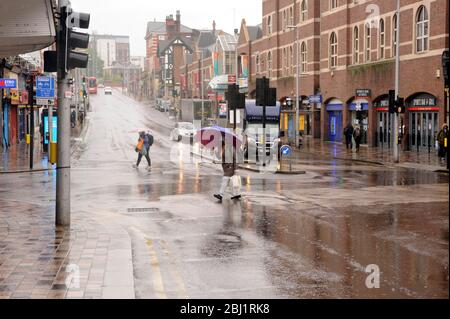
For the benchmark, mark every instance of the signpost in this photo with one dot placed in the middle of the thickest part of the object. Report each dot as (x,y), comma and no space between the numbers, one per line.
(45,96)
(315,99)
(286,151)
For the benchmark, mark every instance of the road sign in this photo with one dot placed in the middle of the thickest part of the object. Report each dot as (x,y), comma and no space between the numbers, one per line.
(43,102)
(8,83)
(286,150)
(45,87)
(315,99)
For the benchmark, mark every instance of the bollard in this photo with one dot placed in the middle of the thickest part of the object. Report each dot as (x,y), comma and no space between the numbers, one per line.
(53,153)
(28,139)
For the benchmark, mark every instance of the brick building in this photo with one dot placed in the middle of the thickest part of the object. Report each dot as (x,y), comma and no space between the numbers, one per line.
(346,52)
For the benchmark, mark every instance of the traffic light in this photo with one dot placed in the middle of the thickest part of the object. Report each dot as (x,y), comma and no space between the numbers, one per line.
(29,85)
(392,102)
(400,106)
(75,39)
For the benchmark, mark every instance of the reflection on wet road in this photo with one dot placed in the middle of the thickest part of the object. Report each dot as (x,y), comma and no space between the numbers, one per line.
(307,236)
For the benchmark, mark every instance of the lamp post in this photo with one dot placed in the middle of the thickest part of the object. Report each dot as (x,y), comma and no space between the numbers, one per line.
(297,85)
(201,84)
(397,87)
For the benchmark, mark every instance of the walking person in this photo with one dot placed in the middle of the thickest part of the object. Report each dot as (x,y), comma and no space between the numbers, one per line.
(357,135)
(442,139)
(143,148)
(229,177)
(348,133)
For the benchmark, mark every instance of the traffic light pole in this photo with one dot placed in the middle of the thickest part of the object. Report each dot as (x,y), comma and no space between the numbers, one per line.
(30,103)
(397,88)
(63,158)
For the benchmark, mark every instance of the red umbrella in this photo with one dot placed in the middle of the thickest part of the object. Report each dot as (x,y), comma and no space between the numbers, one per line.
(213,137)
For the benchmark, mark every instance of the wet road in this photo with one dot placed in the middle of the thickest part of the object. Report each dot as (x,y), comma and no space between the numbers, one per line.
(307,236)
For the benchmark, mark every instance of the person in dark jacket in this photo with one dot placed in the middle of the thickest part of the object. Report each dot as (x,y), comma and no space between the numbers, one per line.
(145,140)
(442,139)
(348,133)
(357,135)
(229,170)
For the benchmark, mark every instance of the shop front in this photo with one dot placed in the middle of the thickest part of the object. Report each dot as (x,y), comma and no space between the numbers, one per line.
(423,121)
(335,120)
(359,116)
(385,122)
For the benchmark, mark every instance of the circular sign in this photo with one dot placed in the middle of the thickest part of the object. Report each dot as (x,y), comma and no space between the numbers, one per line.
(286,150)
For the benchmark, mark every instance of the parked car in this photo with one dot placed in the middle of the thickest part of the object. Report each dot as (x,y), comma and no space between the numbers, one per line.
(108,90)
(101,86)
(182,130)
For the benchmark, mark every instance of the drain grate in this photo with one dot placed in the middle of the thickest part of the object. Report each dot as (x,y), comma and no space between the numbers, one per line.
(142,210)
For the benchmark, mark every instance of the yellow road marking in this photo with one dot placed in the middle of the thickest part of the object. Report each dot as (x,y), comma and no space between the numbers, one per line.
(158,284)
(182,293)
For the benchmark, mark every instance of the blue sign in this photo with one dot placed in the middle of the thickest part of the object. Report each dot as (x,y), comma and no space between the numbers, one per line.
(54,129)
(286,150)
(45,87)
(315,99)
(8,83)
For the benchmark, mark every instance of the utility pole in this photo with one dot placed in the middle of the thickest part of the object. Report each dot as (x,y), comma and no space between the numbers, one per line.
(2,65)
(30,88)
(397,89)
(67,39)
(297,86)
(63,150)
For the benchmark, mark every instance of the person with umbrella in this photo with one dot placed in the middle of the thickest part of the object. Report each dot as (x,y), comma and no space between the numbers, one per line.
(227,142)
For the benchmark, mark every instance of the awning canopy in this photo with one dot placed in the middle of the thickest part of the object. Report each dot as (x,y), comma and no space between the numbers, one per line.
(359,104)
(219,83)
(26,26)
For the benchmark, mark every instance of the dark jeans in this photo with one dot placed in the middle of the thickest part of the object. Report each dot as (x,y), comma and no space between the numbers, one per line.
(149,161)
(348,141)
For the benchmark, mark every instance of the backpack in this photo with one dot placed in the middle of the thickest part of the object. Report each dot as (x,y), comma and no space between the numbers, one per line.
(150,139)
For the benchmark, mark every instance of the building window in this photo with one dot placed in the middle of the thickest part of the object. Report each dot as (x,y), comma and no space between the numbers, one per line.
(382,39)
(269,25)
(291,16)
(258,64)
(284,23)
(333,50)
(394,35)
(304,10)
(304,56)
(285,62)
(422,30)
(333,4)
(269,63)
(368,42)
(356,45)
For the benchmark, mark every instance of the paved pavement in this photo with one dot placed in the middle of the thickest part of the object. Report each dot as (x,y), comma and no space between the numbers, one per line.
(159,233)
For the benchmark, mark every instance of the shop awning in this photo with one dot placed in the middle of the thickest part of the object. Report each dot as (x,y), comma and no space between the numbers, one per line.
(26,26)
(359,105)
(335,105)
(219,83)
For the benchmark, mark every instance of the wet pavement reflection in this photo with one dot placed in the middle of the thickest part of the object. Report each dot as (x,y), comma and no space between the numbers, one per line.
(159,233)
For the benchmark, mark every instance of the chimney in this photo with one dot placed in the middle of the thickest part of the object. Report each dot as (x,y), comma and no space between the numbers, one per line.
(178,22)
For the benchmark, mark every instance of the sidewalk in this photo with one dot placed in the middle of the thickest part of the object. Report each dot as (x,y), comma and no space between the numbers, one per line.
(17,157)
(371,155)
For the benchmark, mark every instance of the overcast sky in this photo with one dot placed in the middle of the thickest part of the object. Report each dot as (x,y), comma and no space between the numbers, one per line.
(130,17)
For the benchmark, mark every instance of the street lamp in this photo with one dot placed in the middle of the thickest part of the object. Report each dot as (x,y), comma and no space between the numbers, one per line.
(202,85)
(297,85)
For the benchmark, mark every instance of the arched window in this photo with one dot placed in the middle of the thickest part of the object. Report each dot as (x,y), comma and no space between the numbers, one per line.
(269,64)
(304,10)
(269,25)
(284,20)
(333,50)
(356,45)
(368,42)
(422,30)
(304,56)
(258,64)
(285,62)
(394,35)
(291,16)
(382,39)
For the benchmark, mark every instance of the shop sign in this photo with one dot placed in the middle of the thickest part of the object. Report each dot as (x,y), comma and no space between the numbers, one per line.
(363,93)
(424,102)
(8,83)
(231,79)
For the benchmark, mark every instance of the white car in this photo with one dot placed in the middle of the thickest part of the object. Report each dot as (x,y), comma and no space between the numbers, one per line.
(108,90)
(182,130)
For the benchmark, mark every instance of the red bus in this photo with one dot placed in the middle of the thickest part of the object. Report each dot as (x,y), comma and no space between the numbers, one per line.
(92,85)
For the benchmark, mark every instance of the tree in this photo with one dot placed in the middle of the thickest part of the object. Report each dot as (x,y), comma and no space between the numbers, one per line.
(95,65)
